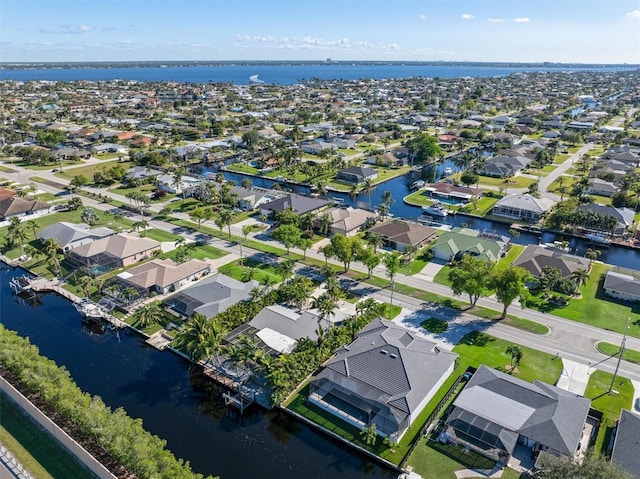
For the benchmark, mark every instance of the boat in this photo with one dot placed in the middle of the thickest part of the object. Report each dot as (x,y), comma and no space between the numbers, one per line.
(448,171)
(436,209)
(598,238)
(416,185)
(89,310)
(255,80)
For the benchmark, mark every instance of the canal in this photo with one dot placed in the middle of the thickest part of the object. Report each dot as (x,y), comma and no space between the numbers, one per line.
(174,403)
(399,188)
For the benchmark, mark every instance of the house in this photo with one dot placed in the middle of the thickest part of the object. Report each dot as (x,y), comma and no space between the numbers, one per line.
(495,411)
(299,204)
(66,153)
(111,252)
(601,187)
(185,186)
(455,243)
(386,377)
(400,234)
(252,198)
(210,296)
(349,221)
(277,329)
(624,216)
(627,443)
(622,286)
(7,193)
(162,276)
(71,235)
(522,207)
(20,207)
(534,258)
(357,174)
(504,166)
(448,191)
(142,173)
(317,147)
(108,148)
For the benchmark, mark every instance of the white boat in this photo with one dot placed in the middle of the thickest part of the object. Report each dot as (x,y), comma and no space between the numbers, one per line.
(598,238)
(436,209)
(417,185)
(448,171)
(255,80)
(89,310)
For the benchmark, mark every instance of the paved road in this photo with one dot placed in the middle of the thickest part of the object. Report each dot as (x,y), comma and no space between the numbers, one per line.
(573,340)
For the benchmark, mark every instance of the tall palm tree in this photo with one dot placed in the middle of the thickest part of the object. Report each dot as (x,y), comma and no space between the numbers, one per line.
(149,314)
(17,233)
(34,226)
(375,240)
(592,254)
(580,276)
(353,192)
(225,217)
(325,305)
(200,338)
(392,264)
(50,249)
(367,186)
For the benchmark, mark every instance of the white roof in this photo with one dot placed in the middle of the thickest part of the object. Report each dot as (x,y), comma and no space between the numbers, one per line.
(281,343)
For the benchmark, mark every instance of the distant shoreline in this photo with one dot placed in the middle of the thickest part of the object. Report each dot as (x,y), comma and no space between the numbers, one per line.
(328,63)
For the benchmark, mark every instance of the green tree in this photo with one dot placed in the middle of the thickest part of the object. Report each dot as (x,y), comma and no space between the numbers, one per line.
(78,181)
(33,225)
(472,276)
(423,148)
(287,234)
(369,434)
(509,285)
(304,244)
(516,355)
(468,178)
(225,218)
(89,216)
(592,466)
(199,338)
(345,249)
(50,249)
(375,240)
(17,233)
(371,261)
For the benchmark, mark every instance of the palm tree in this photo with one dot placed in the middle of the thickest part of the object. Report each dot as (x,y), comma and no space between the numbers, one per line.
(516,356)
(17,233)
(285,269)
(149,314)
(592,254)
(367,186)
(325,305)
(50,249)
(225,217)
(353,192)
(34,226)
(86,282)
(580,276)
(387,199)
(392,264)
(246,229)
(375,240)
(248,274)
(89,216)
(200,338)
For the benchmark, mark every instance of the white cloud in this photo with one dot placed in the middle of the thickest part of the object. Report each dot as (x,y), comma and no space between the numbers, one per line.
(422,17)
(68,30)
(633,14)
(309,43)
(522,20)
(466,16)
(496,20)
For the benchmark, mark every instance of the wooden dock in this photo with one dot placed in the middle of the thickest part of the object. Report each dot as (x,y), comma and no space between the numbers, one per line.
(159,340)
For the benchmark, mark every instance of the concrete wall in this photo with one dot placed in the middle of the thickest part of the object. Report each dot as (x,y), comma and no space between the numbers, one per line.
(71,445)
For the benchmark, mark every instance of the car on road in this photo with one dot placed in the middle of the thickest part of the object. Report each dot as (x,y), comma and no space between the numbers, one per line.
(55,170)
(637,404)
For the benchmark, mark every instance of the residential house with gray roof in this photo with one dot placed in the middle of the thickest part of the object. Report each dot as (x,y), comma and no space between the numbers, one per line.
(496,411)
(298,204)
(400,234)
(386,377)
(210,296)
(626,444)
(20,207)
(522,207)
(70,235)
(622,286)
(534,258)
(357,174)
(624,216)
(349,221)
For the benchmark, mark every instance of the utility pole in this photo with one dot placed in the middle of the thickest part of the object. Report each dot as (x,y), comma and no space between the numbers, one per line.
(622,346)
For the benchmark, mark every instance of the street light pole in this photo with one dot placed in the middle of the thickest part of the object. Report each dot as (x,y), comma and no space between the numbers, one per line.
(622,346)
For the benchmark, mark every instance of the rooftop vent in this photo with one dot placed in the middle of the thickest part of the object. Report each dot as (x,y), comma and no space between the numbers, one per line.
(383,351)
(393,356)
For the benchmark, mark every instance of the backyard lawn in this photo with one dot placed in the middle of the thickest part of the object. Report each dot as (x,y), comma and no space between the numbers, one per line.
(598,309)
(610,404)
(252,269)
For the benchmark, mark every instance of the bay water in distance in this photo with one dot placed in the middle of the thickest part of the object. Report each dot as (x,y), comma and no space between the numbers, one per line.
(277,74)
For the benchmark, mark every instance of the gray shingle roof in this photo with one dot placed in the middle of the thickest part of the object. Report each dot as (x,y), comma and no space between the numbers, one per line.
(535,257)
(547,414)
(70,234)
(299,204)
(623,283)
(626,447)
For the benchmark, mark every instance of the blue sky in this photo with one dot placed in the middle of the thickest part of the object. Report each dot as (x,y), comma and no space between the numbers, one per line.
(585,31)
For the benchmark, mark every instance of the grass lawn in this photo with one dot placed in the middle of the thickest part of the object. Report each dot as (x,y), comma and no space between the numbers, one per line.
(510,257)
(482,207)
(442,276)
(395,311)
(610,404)
(202,252)
(434,325)
(514,182)
(613,349)
(161,235)
(416,264)
(89,170)
(477,348)
(598,309)
(261,271)
(35,449)
(152,328)
(419,198)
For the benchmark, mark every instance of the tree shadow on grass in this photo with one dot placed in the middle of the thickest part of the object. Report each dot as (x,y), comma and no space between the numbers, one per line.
(476,338)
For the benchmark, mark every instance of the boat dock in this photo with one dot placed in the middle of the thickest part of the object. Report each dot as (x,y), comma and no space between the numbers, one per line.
(159,340)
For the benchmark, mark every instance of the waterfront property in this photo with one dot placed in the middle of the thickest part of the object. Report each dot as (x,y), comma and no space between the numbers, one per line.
(162,276)
(522,207)
(297,203)
(447,191)
(357,174)
(349,221)
(386,376)
(277,329)
(495,412)
(623,217)
(622,286)
(400,234)
(111,252)
(625,444)
(71,235)
(210,296)
(459,241)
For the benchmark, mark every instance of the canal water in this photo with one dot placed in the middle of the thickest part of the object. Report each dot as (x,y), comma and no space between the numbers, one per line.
(399,188)
(174,403)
